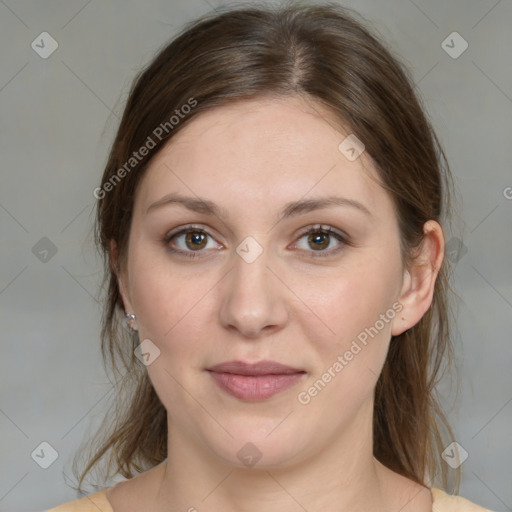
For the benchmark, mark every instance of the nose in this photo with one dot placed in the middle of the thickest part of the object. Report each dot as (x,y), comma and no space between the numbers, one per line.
(254,299)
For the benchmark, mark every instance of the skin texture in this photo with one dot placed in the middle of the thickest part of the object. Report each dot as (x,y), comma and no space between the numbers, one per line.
(252,158)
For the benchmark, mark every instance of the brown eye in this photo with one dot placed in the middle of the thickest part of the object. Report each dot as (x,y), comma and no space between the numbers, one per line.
(195,240)
(320,239)
(190,241)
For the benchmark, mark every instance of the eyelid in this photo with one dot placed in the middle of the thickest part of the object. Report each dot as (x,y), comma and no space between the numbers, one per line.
(323,227)
(187,227)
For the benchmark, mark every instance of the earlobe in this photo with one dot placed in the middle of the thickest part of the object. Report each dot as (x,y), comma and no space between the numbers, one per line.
(419,281)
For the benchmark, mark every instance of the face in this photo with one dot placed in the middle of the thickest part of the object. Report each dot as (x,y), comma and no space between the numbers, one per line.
(256,270)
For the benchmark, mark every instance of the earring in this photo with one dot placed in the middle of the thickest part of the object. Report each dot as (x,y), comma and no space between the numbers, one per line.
(130,318)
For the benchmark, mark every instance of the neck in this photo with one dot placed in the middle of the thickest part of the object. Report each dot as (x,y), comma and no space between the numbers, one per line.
(344,472)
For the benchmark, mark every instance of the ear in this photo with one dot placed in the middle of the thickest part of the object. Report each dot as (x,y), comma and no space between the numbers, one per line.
(122,277)
(419,280)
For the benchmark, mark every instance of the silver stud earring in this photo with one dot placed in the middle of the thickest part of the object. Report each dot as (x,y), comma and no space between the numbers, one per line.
(130,319)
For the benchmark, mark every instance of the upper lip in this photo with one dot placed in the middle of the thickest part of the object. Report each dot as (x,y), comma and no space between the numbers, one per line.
(259,368)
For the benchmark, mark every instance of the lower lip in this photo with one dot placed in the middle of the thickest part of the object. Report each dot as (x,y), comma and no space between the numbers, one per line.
(255,387)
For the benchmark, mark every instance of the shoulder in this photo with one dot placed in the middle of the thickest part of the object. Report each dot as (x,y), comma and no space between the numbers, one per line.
(443,502)
(91,503)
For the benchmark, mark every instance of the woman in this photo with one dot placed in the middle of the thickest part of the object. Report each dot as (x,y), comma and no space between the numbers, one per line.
(271,218)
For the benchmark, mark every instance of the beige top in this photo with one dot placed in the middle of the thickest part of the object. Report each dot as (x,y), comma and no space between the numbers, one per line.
(98,502)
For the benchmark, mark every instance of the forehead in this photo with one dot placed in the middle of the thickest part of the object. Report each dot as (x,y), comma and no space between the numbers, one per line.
(262,152)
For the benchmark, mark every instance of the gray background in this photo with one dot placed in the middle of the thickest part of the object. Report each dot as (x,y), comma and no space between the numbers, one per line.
(58,117)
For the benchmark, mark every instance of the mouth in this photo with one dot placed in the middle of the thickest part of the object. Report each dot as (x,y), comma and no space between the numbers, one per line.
(254,369)
(255,381)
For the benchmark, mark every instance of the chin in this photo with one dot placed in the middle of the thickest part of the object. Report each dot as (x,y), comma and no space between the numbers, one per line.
(250,450)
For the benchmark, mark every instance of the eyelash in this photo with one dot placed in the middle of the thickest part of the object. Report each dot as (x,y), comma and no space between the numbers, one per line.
(314,254)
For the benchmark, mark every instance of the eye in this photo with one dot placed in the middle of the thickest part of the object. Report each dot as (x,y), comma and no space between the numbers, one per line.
(189,241)
(320,238)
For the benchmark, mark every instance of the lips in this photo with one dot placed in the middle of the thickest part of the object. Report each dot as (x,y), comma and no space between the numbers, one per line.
(254,382)
(260,368)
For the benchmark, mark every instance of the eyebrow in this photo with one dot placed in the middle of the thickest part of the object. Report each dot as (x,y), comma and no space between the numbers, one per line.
(207,207)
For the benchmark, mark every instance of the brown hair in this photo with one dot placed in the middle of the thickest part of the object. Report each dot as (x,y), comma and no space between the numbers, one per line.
(324,54)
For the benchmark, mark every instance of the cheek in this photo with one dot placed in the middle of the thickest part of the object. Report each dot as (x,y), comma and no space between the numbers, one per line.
(351,328)
(177,311)
(174,311)
(162,294)
(349,363)
(347,302)
(172,308)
